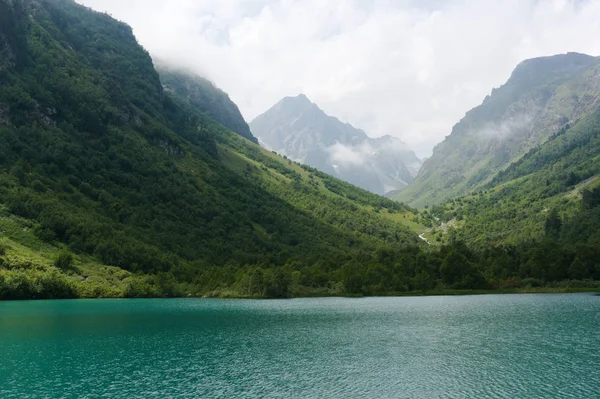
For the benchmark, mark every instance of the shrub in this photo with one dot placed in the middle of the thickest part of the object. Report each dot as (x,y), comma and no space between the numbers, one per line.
(64,260)
(3,248)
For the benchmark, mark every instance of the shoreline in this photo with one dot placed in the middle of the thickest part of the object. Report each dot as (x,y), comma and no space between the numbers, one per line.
(447,292)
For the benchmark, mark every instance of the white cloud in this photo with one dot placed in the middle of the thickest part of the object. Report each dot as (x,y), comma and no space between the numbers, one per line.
(343,155)
(403,67)
(505,129)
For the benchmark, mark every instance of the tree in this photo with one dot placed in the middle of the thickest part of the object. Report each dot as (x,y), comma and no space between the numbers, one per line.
(591,199)
(553,224)
(578,270)
(453,267)
(64,260)
(278,283)
(257,282)
(351,277)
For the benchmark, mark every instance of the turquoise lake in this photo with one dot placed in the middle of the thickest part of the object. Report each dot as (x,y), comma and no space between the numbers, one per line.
(489,346)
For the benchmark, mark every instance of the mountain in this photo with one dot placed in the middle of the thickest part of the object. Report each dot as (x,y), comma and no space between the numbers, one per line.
(297,128)
(539,219)
(202,95)
(541,97)
(112,185)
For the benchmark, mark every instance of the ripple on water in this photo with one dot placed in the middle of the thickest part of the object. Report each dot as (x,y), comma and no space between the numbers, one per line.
(430,347)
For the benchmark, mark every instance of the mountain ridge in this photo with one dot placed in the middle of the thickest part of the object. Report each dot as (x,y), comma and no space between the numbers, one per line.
(541,96)
(299,129)
(204,96)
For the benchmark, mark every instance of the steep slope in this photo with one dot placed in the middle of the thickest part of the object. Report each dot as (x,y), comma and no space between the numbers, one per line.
(298,129)
(110,186)
(542,96)
(541,216)
(202,95)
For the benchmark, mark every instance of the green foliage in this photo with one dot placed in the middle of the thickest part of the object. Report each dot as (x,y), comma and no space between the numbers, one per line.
(553,224)
(590,198)
(538,219)
(352,277)
(64,260)
(31,284)
(356,194)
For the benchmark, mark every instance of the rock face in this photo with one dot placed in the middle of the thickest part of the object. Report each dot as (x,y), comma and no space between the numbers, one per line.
(541,97)
(299,129)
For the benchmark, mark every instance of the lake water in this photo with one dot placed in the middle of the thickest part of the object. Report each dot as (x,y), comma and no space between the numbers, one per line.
(496,346)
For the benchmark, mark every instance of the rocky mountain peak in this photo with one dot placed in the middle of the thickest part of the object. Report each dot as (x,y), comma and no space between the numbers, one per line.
(299,129)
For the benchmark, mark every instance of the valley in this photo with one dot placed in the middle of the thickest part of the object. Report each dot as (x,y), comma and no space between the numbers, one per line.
(121,176)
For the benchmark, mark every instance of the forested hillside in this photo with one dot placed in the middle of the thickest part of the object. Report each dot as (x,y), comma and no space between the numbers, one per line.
(540,217)
(112,185)
(542,96)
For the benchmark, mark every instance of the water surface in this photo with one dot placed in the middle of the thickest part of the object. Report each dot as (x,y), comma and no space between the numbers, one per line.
(496,346)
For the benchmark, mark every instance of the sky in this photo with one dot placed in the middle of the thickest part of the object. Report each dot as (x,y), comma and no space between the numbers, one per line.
(407,68)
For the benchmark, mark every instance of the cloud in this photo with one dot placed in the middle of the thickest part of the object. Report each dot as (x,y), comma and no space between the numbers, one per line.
(343,155)
(505,129)
(407,68)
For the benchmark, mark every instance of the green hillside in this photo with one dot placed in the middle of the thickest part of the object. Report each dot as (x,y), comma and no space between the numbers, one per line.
(100,166)
(539,218)
(517,180)
(541,97)
(115,183)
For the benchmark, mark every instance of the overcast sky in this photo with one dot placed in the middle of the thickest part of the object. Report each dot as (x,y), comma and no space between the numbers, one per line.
(408,68)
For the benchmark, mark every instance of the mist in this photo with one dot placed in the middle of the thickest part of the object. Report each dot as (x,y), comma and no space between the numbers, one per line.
(410,69)
(343,155)
(505,129)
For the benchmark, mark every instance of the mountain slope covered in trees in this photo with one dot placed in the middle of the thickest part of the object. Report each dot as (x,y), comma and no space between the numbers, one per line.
(111,185)
(542,96)
(540,217)
(98,161)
